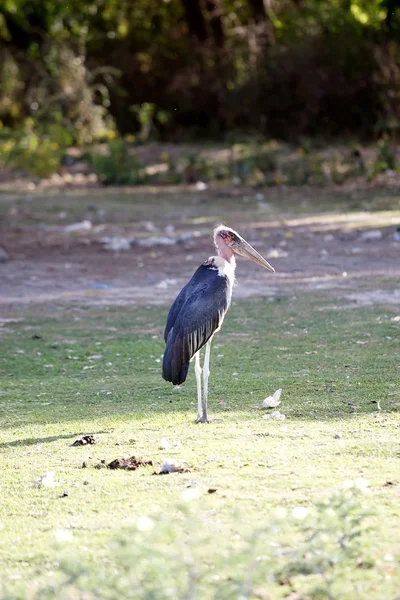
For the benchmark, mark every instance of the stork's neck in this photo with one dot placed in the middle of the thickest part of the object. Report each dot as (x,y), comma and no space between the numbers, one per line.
(225,252)
(225,268)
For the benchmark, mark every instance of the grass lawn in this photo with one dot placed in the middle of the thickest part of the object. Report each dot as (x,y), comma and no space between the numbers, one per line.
(306,507)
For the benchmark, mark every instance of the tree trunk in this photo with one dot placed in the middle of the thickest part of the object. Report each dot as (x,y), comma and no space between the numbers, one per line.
(195,19)
(214,9)
(265,28)
(258,10)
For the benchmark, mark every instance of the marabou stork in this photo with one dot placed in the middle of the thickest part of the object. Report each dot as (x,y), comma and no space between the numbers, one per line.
(199,310)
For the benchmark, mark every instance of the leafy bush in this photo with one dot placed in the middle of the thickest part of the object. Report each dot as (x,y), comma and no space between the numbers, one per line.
(386,156)
(119,166)
(34,148)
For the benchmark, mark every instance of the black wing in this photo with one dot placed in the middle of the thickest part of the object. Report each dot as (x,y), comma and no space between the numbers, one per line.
(198,312)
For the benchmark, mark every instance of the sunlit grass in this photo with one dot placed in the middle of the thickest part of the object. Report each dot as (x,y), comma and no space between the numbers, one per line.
(76,371)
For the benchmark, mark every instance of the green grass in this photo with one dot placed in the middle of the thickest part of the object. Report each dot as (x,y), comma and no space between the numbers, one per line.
(243,540)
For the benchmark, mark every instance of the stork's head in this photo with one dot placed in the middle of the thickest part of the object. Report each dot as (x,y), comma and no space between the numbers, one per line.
(228,242)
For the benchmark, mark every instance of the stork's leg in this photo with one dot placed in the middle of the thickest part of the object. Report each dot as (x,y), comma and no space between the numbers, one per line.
(206,373)
(197,370)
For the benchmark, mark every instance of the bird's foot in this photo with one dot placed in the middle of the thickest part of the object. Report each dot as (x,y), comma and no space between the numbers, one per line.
(202,419)
(207,420)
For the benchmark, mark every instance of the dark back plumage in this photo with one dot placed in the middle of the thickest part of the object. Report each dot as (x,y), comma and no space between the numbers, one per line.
(196,314)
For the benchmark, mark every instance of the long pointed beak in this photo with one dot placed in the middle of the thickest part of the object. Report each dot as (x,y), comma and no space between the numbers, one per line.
(247,251)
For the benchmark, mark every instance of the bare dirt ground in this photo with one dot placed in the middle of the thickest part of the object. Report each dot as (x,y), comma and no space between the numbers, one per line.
(355,255)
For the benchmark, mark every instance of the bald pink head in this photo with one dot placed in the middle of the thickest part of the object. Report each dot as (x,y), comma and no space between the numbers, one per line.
(223,238)
(228,243)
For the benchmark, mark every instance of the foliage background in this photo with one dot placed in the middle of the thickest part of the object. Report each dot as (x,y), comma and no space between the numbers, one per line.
(178,69)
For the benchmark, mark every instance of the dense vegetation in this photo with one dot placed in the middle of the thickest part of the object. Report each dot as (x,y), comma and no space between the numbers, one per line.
(75,71)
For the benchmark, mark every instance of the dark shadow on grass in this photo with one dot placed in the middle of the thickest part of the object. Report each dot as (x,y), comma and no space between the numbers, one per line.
(182,410)
(45,440)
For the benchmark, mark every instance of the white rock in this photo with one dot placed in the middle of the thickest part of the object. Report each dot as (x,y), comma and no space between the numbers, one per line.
(149,226)
(275,415)
(162,285)
(371,235)
(201,186)
(81,226)
(276,253)
(170,465)
(116,244)
(156,241)
(46,480)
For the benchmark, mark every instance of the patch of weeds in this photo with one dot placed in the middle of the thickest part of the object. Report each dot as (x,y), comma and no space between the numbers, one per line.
(198,168)
(385,157)
(257,165)
(307,170)
(36,149)
(316,552)
(173,175)
(343,168)
(119,166)
(332,544)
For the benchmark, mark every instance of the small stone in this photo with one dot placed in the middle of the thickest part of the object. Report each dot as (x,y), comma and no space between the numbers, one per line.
(116,243)
(76,227)
(169,465)
(371,235)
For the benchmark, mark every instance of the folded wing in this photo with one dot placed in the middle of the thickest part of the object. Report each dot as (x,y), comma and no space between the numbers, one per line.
(197,315)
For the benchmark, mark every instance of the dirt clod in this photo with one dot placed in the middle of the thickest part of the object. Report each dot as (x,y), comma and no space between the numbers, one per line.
(129,464)
(84,440)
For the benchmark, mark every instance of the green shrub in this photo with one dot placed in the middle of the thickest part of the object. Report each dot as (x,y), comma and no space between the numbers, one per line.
(34,148)
(307,170)
(119,166)
(385,157)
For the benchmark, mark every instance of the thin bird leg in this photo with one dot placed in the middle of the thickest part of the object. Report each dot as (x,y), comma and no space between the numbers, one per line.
(197,370)
(206,373)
